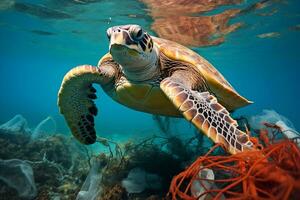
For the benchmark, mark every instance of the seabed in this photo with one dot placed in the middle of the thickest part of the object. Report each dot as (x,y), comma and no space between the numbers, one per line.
(43,164)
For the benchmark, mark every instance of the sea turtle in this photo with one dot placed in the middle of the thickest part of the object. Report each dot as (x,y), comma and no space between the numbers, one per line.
(156,76)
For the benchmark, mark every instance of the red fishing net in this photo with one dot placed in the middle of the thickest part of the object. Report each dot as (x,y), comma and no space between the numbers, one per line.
(270,173)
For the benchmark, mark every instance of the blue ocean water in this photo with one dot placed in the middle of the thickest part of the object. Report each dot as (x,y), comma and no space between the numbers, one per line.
(38,48)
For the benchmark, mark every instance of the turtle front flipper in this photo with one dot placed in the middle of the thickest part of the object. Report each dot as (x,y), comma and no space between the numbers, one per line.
(75,99)
(203,110)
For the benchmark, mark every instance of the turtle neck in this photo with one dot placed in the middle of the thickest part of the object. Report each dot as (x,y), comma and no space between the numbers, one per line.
(143,73)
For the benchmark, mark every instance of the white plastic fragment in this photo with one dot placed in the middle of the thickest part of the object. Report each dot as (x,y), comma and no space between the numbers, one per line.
(46,127)
(91,187)
(17,124)
(270,116)
(289,132)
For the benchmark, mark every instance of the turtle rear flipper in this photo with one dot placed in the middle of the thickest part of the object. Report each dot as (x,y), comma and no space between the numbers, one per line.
(75,99)
(210,117)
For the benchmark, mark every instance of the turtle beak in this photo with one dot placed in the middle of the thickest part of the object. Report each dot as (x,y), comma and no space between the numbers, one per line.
(115,36)
(118,48)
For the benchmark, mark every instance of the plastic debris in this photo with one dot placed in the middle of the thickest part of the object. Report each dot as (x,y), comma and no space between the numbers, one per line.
(44,128)
(289,132)
(202,183)
(138,180)
(18,174)
(270,116)
(91,188)
(18,124)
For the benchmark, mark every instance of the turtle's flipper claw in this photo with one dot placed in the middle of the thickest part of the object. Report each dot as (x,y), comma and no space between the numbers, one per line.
(75,101)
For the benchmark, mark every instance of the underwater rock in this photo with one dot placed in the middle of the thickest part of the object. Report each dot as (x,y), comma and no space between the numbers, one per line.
(138,180)
(18,174)
(91,188)
(18,124)
(46,127)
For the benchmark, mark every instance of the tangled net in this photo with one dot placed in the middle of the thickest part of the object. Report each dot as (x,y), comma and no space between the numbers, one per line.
(270,173)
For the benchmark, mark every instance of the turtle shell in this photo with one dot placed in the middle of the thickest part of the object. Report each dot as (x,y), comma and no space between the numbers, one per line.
(217,84)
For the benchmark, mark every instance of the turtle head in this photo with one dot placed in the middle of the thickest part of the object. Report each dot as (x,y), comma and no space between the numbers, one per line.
(131,47)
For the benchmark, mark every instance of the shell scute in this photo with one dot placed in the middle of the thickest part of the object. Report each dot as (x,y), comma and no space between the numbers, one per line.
(223,90)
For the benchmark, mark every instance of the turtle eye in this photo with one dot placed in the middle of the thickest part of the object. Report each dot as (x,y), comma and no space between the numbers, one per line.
(137,33)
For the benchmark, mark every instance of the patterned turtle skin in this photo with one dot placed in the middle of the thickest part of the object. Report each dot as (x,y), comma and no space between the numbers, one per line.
(156,76)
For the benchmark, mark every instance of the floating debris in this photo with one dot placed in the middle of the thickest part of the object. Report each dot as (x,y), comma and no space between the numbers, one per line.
(269,35)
